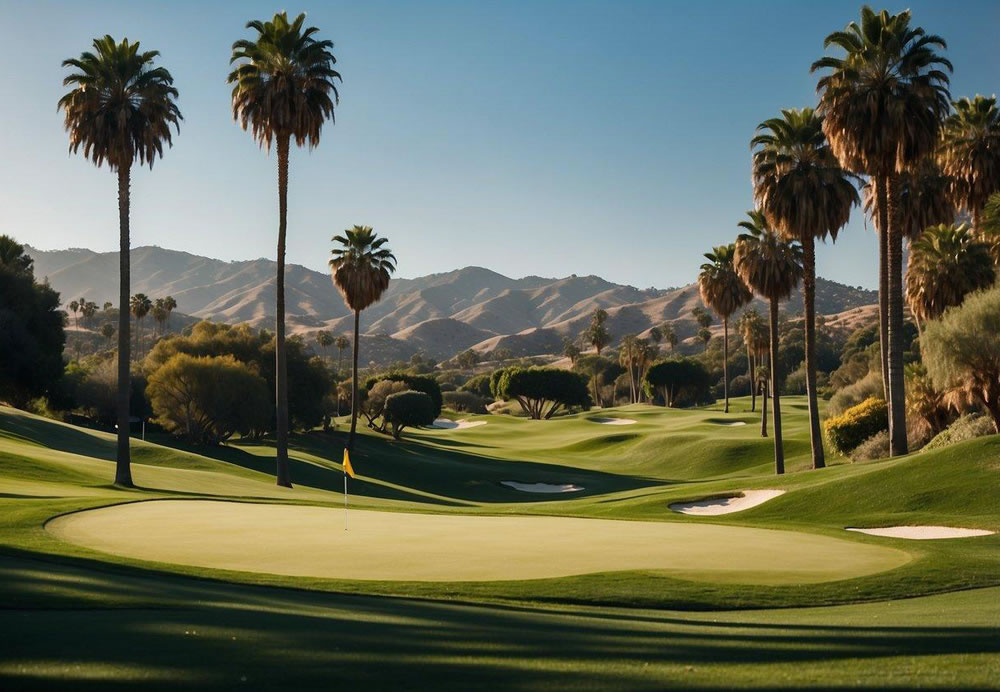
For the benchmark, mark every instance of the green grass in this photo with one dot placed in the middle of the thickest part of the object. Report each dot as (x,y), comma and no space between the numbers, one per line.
(94,619)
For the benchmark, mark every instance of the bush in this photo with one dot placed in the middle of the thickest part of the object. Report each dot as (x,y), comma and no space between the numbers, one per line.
(795,382)
(857,424)
(875,447)
(480,384)
(418,383)
(208,399)
(408,408)
(466,402)
(853,394)
(967,427)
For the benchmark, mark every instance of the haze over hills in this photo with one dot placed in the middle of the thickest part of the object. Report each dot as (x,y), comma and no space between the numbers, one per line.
(438,315)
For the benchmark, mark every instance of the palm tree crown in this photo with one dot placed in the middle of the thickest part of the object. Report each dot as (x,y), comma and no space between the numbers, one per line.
(362,266)
(925,199)
(767,264)
(283,81)
(720,287)
(883,101)
(946,263)
(121,107)
(798,182)
(970,152)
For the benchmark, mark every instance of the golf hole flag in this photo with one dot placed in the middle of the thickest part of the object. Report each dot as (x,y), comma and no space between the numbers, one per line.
(348,469)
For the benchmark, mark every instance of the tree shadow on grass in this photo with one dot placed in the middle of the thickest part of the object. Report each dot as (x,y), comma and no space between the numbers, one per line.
(73,622)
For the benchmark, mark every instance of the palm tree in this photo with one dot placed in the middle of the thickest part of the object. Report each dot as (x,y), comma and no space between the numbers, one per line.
(324,339)
(597,335)
(139,305)
(883,103)
(772,267)
(970,153)
(74,306)
(120,110)
(754,335)
(946,263)
(723,290)
(762,376)
(669,335)
(805,195)
(990,231)
(108,331)
(341,343)
(160,313)
(283,88)
(170,305)
(362,267)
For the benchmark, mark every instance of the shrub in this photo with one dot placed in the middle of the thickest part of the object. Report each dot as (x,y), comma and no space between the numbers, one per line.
(875,447)
(967,427)
(857,424)
(418,383)
(408,408)
(480,384)
(853,394)
(465,402)
(208,399)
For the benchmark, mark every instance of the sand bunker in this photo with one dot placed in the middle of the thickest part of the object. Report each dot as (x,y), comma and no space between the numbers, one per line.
(923,533)
(726,505)
(446,424)
(310,541)
(612,421)
(543,487)
(735,422)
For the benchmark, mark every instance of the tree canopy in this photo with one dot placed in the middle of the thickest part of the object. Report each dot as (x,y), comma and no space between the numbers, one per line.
(543,391)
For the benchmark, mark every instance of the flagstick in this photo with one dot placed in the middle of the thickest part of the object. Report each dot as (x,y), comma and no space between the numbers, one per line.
(345,501)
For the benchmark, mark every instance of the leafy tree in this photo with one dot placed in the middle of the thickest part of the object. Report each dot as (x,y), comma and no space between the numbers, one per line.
(724,291)
(970,154)
(600,372)
(480,384)
(362,267)
(209,399)
(883,103)
(31,330)
(467,359)
(407,409)
(597,335)
(543,391)
(679,379)
(283,89)
(120,110)
(702,317)
(961,350)
(704,336)
(419,383)
(946,263)
(805,195)
(373,405)
(772,267)
(571,351)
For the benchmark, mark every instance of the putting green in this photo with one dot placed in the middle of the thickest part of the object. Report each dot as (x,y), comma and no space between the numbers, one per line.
(307,541)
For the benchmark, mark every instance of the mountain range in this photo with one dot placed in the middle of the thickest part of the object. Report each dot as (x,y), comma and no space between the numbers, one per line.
(438,314)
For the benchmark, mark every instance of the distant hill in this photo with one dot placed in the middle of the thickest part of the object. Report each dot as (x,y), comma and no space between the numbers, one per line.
(438,315)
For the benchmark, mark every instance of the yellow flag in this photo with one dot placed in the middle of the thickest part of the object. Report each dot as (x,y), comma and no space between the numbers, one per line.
(348,469)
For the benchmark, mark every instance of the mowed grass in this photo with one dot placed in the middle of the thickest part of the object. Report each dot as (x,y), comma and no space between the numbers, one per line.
(95,618)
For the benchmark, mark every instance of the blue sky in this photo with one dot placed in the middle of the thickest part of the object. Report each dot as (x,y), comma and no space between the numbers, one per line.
(543,138)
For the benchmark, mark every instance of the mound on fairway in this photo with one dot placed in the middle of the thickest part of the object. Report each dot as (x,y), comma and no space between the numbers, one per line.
(308,541)
(923,533)
(446,424)
(612,421)
(543,487)
(715,506)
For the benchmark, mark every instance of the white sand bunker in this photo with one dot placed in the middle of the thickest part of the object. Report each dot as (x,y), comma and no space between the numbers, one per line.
(923,533)
(735,422)
(446,424)
(612,421)
(543,487)
(726,505)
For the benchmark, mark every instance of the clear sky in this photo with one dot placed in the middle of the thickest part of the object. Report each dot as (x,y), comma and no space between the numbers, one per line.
(543,138)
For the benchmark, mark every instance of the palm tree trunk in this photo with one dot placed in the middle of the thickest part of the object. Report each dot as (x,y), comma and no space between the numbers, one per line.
(280,357)
(763,415)
(897,392)
(354,386)
(753,383)
(123,468)
(882,196)
(779,450)
(725,361)
(809,298)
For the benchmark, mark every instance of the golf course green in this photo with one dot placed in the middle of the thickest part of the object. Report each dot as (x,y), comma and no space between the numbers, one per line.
(209,575)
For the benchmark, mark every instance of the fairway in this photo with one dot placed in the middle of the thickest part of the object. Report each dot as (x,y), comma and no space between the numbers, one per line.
(308,541)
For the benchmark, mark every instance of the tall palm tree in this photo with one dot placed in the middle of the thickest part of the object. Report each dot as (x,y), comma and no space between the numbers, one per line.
(946,263)
(970,153)
(341,343)
(361,267)
(883,103)
(324,339)
(120,110)
(170,304)
(139,306)
(772,267)
(74,306)
(805,195)
(723,290)
(283,89)
(755,339)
